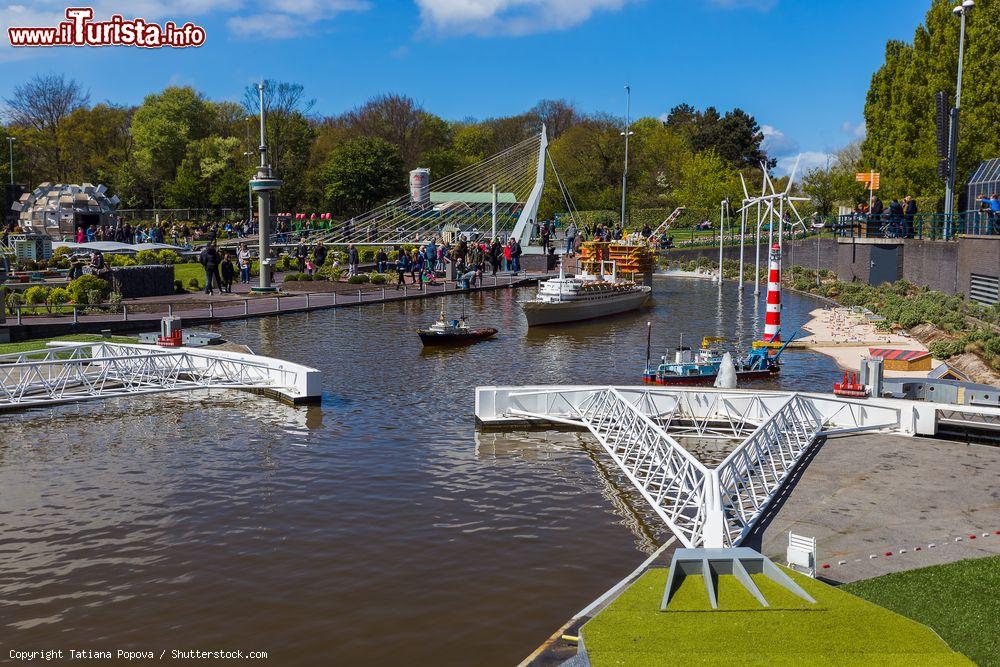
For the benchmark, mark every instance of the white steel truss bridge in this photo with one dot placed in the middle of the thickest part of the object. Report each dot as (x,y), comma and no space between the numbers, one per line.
(67,372)
(643,430)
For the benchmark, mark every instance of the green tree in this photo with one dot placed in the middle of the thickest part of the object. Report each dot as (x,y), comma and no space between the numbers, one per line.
(162,128)
(210,176)
(900,110)
(360,173)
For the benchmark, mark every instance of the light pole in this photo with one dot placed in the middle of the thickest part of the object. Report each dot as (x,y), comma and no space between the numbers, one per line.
(10,145)
(627,133)
(949,192)
(264,184)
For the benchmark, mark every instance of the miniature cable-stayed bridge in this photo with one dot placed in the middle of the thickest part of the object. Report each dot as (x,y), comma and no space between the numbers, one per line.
(462,200)
(644,431)
(67,372)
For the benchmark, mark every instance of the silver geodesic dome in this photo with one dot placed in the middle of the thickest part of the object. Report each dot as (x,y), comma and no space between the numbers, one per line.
(57,210)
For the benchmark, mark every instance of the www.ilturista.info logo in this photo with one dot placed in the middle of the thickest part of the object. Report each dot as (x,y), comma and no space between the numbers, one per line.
(80,30)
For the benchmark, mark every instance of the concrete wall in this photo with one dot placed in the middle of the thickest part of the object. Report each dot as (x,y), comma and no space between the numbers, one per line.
(980,255)
(943,266)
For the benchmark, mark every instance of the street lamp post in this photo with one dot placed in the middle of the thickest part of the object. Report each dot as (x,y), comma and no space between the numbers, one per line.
(627,133)
(264,183)
(949,193)
(10,145)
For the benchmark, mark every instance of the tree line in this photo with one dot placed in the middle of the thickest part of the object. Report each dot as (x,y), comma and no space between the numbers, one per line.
(179,149)
(900,114)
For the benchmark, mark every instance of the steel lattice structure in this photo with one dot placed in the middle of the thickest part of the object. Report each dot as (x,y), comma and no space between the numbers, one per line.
(639,429)
(67,372)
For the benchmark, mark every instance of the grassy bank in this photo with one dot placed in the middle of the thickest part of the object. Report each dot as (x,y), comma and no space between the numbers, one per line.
(188,272)
(958,600)
(40,343)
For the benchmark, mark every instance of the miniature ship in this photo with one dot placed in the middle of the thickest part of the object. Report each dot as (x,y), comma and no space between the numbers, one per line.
(583,297)
(455,332)
(702,368)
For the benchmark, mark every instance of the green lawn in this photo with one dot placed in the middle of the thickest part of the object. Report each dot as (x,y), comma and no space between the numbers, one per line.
(960,601)
(840,629)
(40,343)
(185,272)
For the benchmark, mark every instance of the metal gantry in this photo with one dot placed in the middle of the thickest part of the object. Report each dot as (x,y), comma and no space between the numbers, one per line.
(640,429)
(67,372)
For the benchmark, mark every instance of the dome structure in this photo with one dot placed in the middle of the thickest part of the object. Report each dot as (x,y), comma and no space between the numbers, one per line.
(57,210)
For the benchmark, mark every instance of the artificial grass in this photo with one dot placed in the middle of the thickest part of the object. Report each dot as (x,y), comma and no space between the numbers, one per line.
(839,629)
(40,343)
(959,601)
(185,272)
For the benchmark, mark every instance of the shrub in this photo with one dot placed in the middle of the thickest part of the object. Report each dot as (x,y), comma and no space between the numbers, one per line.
(179,287)
(378,279)
(62,251)
(36,296)
(80,289)
(94,296)
(285,263)
(168,257)
(122,260)
(57,297)
(291,277)
(194,283)
(14,299)
(146,257)
(367,255)
(330,272)
(359,279)
(115,299)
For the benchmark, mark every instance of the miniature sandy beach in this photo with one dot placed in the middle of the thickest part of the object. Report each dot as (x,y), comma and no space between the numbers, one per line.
(846,334)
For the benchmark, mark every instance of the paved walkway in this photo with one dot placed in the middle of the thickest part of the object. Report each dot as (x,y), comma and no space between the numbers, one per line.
(891,497)
(241,305)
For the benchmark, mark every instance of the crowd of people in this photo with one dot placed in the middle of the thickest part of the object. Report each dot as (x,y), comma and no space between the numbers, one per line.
(989,213)
(895,221)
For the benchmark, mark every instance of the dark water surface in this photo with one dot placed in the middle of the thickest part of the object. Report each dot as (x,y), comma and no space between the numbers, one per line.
(377,528)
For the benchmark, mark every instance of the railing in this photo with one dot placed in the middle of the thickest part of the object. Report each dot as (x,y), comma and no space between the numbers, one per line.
(238,307)
(928,226)
(81,371)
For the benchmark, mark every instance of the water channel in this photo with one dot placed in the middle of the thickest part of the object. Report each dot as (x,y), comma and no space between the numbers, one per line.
(377,528)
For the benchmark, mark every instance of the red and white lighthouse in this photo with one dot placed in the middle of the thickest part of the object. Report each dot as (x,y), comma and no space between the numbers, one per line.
(772,317)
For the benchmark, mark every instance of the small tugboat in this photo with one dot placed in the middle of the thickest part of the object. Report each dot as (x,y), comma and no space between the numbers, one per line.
(455,332)
(702,368)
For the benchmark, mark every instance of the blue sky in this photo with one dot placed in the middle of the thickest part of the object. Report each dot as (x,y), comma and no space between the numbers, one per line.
(802,67)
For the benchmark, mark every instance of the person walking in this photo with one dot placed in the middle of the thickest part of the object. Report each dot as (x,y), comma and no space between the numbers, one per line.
(909,215)
(571,233)
(895,217)
(319,254)
(301,253)
(401,262)
(243,259)
(381,261)
(353,259)
(496,255)
(227,272)
(209,259)
(515,256)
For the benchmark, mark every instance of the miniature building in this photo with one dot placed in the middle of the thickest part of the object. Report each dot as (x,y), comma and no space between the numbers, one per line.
(902,360)
(58,210)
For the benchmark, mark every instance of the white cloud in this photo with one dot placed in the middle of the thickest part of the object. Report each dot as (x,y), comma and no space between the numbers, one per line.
(859,131)
(807,160)
(509,17)
(760,5)
(284,19)
(776,142)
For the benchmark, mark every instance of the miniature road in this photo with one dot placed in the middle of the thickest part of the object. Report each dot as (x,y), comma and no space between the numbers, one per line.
(869,494)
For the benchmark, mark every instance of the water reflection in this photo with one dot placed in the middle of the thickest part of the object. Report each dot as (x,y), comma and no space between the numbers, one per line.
(374,528)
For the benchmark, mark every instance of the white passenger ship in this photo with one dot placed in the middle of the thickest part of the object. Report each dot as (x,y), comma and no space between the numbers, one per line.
(583,297)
